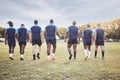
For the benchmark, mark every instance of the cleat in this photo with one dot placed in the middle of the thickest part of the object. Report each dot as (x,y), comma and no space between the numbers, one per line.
(86,58)
(49,59)
(38,55)
(70,56)
(34,57)
(11,58)
(53,59)
(74,58)
(21,59)
(103,58)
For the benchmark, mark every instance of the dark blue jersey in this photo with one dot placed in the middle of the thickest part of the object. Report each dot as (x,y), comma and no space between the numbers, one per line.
(87,34)
(73,32)
(22,32)
(35,31)
(10,32)
(50,31)
(99,34)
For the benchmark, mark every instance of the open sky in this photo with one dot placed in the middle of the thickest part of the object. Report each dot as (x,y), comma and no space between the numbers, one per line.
(62,11)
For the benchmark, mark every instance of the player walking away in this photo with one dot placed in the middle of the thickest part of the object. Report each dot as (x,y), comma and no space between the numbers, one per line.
(87,41)
(74,37)
(100,36)
(22,37)
(36,39)
(10,35)
(50,33)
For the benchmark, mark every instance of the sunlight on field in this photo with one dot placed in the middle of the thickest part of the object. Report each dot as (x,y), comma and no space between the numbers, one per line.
(62,68)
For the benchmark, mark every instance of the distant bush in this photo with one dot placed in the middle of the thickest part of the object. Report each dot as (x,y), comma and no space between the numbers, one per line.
(2,31)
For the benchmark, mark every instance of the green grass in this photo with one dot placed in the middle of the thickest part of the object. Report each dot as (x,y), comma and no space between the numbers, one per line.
(62,68)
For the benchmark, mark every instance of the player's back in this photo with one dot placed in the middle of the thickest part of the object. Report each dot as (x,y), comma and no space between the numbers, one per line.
(73,32)
(87,34)
(50,30)
(99,34)
(11,34)
(22,34)
(36,30)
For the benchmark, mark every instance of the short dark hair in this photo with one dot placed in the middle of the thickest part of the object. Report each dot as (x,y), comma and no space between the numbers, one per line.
(74,23)
(51,21)
(88,25)
(98,24)
(35,21)
(22,24)
(10,23)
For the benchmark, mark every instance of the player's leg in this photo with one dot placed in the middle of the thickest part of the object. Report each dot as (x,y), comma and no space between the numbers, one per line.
(12,46)
(69,51)
(85,43)
(74,50)
(69,44)
(85,51)
(89,51)
(22,52)
(10,53)
(34,47)
(39,49)
(48,51)
(102,49)
(53,52)
(38,54)
(53,42)
(10,50)
(96,50)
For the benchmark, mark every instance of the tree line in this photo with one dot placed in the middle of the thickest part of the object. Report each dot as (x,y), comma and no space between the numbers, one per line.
(112,28)
(2,31)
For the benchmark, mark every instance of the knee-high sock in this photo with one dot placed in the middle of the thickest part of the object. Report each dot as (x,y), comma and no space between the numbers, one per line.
(103,53)
(69,50)
(85,52)
(95,53)
(89,53)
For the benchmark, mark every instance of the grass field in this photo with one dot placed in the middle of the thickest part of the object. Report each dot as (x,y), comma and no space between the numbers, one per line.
(62,68)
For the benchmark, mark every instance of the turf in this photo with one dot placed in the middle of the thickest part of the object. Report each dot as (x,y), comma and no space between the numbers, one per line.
(62,68)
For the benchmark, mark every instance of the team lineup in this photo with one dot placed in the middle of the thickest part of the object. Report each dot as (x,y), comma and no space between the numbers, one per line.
(36,36)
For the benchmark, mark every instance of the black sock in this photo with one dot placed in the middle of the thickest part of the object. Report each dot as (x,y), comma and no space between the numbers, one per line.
(70,53)
(95,53)
(38,55)
(48,54)
(33,56)
(102,53)
(74,54)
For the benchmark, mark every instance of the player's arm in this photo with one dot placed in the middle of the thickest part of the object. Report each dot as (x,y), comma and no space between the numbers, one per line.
(93,37)
(16,34)
(58,34)
(42,36)
(79,36)
(30,36)
(27,36)
(105,37)
(83,36)
(5,34)
(65,36)
(56,30)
